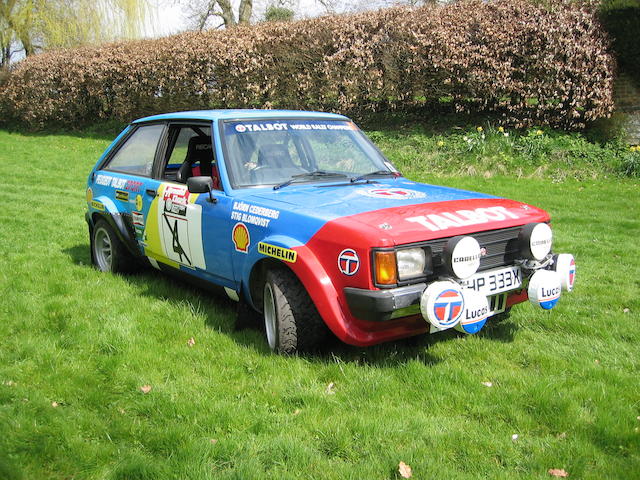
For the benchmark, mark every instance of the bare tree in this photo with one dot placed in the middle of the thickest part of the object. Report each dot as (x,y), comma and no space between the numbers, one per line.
(201,12)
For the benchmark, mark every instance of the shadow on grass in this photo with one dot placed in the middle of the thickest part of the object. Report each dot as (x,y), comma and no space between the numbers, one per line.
(221,313)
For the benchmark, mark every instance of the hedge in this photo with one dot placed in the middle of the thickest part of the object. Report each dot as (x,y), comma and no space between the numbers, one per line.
(529,64)
(621,19)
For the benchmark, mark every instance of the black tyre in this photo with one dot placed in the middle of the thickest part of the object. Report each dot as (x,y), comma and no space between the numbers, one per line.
(291,320)
(108,252)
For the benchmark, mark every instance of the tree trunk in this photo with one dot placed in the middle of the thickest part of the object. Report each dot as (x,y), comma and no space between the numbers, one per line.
(244,12)
(228,17)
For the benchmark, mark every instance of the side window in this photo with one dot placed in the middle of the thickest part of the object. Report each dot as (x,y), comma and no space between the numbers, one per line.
(137,154)
(190,154)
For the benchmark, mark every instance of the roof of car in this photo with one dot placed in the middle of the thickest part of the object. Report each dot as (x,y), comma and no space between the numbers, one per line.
(240,115)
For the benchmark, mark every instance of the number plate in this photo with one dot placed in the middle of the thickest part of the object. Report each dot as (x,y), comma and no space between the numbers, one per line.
(494,281)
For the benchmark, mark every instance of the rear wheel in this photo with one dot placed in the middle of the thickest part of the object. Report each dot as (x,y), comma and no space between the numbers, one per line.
(109,253)
(292,322)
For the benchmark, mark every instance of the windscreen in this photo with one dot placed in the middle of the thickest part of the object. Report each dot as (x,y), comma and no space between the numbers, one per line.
(273,151)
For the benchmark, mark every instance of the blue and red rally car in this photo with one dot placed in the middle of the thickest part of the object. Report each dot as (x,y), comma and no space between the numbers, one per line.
(298,216)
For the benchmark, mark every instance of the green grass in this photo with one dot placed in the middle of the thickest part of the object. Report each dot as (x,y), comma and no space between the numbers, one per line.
(565,381)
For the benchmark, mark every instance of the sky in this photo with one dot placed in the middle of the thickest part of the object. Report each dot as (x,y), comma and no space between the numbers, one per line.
(168,18)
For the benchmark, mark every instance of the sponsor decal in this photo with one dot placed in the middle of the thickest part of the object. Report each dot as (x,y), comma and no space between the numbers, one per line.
(174,229)
(280,253)
(348,261)
(89,195)
(253,214)
(104,180)
(322,126)
(548,296)
(250,127)
(122,195)
(460,218)
(134,186)
(544,288)
(391,193)
(240,237)
(572,272)
(261,127)
(476,311)
(448,307)
(176,200)
(97,205)
(138,202)
(138,219)
(172,224)
(115,182)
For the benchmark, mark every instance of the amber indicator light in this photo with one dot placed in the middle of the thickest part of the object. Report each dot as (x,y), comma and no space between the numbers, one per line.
(386,270)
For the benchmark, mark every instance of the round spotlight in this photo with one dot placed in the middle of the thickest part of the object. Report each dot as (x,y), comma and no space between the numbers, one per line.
(535,240)
(462,256)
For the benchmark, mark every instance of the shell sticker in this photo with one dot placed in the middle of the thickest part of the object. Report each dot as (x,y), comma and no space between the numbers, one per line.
(240,237)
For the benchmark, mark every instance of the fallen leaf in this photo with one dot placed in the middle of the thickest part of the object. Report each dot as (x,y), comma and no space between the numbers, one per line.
(562,436)
(405,470)
(329,389)
(213,441)
(558,472)
(191,342)
(487,384)
(514,437)
(55,404)
(145,388)
(10,383)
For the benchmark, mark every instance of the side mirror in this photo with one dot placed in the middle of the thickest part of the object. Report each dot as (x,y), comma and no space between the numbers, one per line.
(201,185)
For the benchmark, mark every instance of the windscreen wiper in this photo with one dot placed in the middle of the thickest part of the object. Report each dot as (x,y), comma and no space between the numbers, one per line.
(314,174)
(376,173)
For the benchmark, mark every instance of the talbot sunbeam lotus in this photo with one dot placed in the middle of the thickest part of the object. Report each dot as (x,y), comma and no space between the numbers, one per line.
(300,218)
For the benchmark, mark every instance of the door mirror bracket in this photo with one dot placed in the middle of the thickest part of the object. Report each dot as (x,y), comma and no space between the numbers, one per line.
(201,185)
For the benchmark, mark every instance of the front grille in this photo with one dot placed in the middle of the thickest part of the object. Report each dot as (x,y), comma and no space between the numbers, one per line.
(501,247)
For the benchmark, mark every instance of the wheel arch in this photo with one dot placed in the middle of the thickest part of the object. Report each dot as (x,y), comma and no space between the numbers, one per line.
(257,277)
(117,221)
(310,271)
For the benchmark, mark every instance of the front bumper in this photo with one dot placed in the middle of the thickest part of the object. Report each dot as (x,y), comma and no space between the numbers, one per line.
(383,305)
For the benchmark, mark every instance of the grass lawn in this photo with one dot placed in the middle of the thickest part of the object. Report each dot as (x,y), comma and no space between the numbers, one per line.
(77,346)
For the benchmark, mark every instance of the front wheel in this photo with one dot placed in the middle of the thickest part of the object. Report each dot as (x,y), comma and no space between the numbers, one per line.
(292,322)
(109,253)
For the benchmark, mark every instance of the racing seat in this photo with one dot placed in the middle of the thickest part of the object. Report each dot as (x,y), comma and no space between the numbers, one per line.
(199,151)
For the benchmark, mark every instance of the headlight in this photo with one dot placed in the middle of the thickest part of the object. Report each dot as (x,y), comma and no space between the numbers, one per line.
(462,256)
(411,262)
(535,241)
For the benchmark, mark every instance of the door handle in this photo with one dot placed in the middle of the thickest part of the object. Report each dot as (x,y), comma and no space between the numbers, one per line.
(151,192)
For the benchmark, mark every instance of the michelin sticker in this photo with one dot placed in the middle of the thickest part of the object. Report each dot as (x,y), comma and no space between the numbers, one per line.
(97,205)
(280,253)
